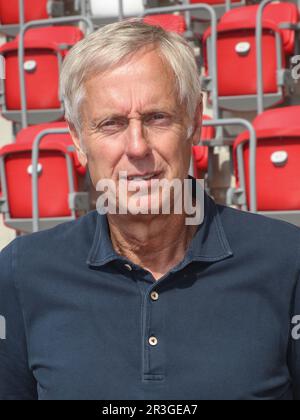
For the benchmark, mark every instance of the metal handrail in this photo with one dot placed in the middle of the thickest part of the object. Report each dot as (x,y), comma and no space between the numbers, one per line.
(35,159)
(227,5)
(21,52)
(21,13)
(214,59)
(121,10)
(259,55)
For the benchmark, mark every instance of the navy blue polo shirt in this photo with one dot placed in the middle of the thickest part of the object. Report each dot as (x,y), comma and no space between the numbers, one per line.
(83,322)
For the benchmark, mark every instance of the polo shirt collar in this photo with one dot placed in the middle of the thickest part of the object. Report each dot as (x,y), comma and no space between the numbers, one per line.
(209,244)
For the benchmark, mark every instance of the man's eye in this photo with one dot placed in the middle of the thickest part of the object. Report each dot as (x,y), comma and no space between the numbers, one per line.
(112,125)
(109,123)
(158,118)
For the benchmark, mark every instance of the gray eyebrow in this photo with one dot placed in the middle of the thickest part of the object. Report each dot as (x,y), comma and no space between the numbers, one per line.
(97,120)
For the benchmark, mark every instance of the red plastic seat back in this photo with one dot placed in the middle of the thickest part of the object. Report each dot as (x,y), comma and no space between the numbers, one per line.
(214,2)
(42,49)
(172,23)
(27,135)
(278,160)
(34,10)
(237,74)
(236,48)
(53,180)
(279,119)
(53,185)
(275,13)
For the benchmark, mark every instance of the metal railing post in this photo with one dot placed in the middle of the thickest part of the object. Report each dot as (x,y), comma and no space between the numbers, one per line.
(121,10)
(35,175)
(259,55)
(21,13)
(252,154)
(227,5)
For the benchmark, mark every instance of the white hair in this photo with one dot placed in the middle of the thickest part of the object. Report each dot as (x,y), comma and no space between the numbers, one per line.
(110,46)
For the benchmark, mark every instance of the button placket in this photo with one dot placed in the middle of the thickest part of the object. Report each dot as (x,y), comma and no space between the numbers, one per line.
(154,349)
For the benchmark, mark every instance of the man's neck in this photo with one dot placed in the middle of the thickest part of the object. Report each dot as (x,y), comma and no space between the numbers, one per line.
(156,243)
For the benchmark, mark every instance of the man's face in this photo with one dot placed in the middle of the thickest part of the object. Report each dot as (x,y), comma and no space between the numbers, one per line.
(132,122)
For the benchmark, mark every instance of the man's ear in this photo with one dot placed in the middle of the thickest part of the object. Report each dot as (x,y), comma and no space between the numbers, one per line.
(197,124)
(77,143)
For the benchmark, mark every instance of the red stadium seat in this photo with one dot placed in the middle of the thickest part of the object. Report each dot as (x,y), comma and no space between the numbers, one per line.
(45,48)
(34,10)
(278,160)
(54,182)
(201,153)
(218,5)
(236,52)
(172,23)
(213,2)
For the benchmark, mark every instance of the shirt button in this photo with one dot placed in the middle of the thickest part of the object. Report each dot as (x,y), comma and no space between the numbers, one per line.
(154,296)
(128,267)
(153,341)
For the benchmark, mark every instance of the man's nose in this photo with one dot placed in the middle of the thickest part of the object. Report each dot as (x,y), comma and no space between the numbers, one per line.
(137,144)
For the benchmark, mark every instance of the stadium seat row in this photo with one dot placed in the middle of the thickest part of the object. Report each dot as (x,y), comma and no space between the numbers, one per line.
(277,130)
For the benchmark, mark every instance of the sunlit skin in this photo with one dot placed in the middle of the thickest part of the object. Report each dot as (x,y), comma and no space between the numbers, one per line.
(133,122)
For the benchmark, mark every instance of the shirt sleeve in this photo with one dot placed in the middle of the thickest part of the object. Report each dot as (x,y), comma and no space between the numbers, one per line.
(295,342)
(16,379)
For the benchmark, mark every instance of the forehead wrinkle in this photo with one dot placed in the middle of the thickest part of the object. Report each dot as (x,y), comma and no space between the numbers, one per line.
(123,107)
(128,89)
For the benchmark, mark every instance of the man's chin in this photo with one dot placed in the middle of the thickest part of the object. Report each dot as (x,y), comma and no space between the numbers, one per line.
(143,205)
(147,205)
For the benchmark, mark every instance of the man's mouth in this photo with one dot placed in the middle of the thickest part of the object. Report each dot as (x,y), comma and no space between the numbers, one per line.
(144,177)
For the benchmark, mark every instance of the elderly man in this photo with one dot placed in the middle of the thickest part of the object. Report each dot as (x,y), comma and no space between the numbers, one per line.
(129,305)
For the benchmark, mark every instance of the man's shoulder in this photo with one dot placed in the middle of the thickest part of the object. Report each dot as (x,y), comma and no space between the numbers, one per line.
(259,230)
(229,214)
(76,235)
